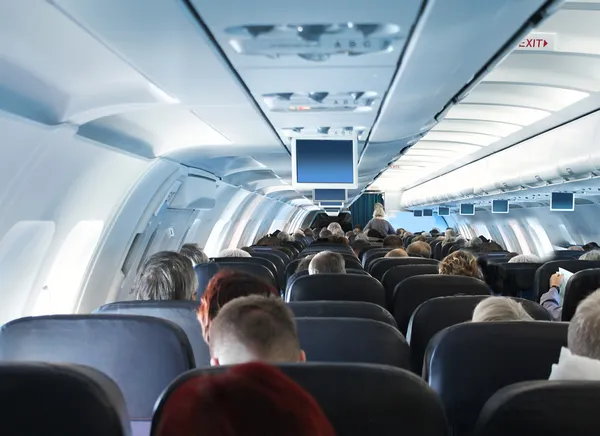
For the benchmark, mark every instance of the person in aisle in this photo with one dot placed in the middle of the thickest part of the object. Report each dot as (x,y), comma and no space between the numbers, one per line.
(379,223)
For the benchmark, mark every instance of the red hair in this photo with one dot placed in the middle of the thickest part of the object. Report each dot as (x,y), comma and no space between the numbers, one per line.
(249,399)
(225,286)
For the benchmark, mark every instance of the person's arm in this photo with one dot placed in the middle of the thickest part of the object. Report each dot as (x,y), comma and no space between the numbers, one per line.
(551,299)
(391,230)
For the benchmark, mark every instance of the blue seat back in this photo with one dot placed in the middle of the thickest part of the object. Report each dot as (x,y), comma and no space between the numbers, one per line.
(341,309)
(337,287)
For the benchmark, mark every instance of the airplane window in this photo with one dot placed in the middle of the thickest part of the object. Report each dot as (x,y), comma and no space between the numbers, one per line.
(521,239)
(542,242)
(508,242)
(481,229)
(213,245)
(63,285)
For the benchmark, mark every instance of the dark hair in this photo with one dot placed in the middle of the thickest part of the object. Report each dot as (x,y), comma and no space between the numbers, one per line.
(194,253)
(393,241)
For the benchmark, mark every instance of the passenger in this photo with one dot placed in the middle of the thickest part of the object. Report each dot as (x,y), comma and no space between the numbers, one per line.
(332,227)
(194,253)
(350,235)
(419,248)
(475,244)
(400,232)
(357,229)
(426,236)
(575,248)
(254,328)
(460,263)
(284,237)
(225,286)
(249,399)
(500,309)
(392,241)
(418,238)
(581,361)
(327,262)
(337,239)
(234,252)
(525,258)
(309,235)
(362,237)
(166,275)
(299,235)
(324,234)
(435,232)
(359,244)
(268,241)
(398,252)
(303,265)
(590,255)
(450,233)
(379,223)
(339,233)
(591,246)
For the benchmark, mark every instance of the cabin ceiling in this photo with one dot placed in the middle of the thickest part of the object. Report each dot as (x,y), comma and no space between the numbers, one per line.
(223,86)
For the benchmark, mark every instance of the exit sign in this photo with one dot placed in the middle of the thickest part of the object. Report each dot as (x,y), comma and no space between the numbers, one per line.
(537,41)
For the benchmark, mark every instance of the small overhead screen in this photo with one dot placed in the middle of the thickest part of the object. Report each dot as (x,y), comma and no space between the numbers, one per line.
(324,163)
(418,213)
(443,211)
(562,201)
(500,206)
(427,212)
(331,204)
(467,209)
(330,195)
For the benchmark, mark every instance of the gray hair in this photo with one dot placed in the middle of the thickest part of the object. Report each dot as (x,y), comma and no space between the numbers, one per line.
(284,237)
(476,242)
(590,255)
(583,337)
(500,309)
(194,253)
(325,234)
(234,252)
(525,258)
(362,237)
(303,264)
(254,328)
(426,234)
(166,275)
(327,262)
(334,226)
(338,232)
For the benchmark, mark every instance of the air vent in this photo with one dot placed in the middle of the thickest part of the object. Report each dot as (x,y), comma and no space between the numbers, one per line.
(314,42)
(325,131)
(357,101)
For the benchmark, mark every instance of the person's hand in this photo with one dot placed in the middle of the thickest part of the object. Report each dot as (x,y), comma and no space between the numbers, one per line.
(556,280)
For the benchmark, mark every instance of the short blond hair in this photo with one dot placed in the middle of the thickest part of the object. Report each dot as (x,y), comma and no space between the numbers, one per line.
(398,252)
(500,309)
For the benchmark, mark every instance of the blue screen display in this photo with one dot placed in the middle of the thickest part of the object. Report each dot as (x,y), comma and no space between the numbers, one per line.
(443,211)
(324,161)
(331,204)
(562,201)
(427,212)
(500,206)
(330,194)
(467,209)
(418,213)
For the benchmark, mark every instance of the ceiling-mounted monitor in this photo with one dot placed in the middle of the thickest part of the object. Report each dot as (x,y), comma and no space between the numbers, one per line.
(418,213)
(562,201)
(427,212)
(467,209)
(330,195)
(443,211)
(321,163)
(500,206)
(337,204)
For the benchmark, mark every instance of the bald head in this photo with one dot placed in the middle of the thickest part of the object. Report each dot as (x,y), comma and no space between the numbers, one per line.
(327,262)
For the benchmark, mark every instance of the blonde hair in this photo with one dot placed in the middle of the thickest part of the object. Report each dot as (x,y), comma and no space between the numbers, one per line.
(379,211)
(460,263)
(398,252)
(500,309)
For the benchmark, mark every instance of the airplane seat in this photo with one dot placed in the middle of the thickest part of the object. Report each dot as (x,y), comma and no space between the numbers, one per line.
(436,314)
(582,284)
(395,275)
(182,313)
(438,251)
(512,279)
(67,400)
(363,251)
(276,261)
(250,260)
(141,354)
(543,274)
(467,363)
(567,254)
(305,272)
(446,249)
(341,309)
(337,287)
(413,291)
(382,265)
(285,258)
(206,271)
(352,340)
(371,255)
(549,408)
(408,240)
(298,246)
(358,399)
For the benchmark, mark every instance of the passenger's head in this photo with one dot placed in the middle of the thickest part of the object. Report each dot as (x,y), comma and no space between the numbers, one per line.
(400,232)
(398,252)
(254,328)
(284,237)
(357,229)
(362,237)
(460,263)
(339,239)
(584,328)
(324,234)
(590,255)
(378,211)
(234,252)
(435,232)
(333,227)
(450,233)
(194,253)
(308,232)
(327,262)
(419,248)
(426,235)
(350,235)
(166,275)
(339,233)
(225,286)
(575,248)
(303,264)
(591,246)
(359,244)
(392,241)
(419,238)
(249,399)
(475,243)
(500,309)
(525,258)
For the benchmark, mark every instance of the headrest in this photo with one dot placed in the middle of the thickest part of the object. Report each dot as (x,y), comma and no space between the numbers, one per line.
(371,255)
(182,313)
(341,309)
(132,350)
(395,275)
(438,313)
(550,408)
(337,287)
(380,266)
(543,274)
(413,291)
(352,340)
(66,400)
(358,399)
(252,260)
(206,271)
(467,363)
(582,284)
(517,277)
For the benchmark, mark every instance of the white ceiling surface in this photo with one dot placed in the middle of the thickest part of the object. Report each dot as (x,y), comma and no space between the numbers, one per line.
(529,92)
(144,76)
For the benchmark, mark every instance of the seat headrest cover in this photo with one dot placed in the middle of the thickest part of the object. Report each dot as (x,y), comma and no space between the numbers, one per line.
(336,287)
